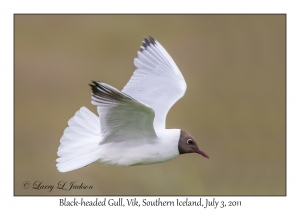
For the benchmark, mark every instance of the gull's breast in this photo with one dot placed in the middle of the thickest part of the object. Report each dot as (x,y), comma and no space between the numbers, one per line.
(138,152)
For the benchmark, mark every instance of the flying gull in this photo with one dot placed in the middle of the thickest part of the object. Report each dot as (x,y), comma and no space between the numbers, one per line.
(130,129)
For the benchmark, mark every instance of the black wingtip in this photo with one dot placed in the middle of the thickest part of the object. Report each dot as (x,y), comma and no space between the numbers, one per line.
(103,93)
(94,83)
(152,40)
(147,43)
(94,86)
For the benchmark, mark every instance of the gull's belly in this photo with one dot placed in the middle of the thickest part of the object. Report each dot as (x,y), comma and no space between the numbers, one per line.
(121,155)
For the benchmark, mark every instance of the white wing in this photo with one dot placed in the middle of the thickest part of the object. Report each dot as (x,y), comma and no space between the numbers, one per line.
(157,81)
(122,118)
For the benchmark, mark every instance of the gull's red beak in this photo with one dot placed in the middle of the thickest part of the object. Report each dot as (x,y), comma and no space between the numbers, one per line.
(201,153)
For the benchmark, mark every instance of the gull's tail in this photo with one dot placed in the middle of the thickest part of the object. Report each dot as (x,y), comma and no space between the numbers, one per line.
(79,145)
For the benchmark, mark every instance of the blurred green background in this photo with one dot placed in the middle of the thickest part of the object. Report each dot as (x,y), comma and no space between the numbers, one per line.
(234,66)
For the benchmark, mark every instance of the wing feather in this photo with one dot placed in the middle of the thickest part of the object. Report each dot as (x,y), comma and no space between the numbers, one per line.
(122,118)
(157,81)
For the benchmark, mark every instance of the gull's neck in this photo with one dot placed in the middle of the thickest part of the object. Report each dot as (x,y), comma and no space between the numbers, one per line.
(168,140)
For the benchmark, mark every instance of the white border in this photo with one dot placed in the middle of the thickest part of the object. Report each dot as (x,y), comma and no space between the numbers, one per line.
(8,8)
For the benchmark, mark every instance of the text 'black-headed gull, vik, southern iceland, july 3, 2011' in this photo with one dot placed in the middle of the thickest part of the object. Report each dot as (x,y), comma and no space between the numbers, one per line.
(130,129)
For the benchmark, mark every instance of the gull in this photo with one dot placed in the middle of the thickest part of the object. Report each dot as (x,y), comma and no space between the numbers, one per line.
(131,127)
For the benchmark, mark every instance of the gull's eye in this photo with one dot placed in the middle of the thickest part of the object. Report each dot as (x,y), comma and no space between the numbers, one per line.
(189,141)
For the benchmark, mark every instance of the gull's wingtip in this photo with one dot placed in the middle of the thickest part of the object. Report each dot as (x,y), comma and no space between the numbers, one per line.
(147,42)
(152,40)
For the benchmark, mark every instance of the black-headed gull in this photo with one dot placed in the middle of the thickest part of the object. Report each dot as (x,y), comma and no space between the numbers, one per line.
(130,129)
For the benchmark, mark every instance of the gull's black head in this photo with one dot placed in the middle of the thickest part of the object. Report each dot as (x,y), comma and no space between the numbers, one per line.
(188,145)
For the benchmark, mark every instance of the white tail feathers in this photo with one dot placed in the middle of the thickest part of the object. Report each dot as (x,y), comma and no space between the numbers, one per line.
(79,145)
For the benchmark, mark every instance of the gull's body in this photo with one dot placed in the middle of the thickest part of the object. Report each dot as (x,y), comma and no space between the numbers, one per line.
(140,152)
(130,129)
